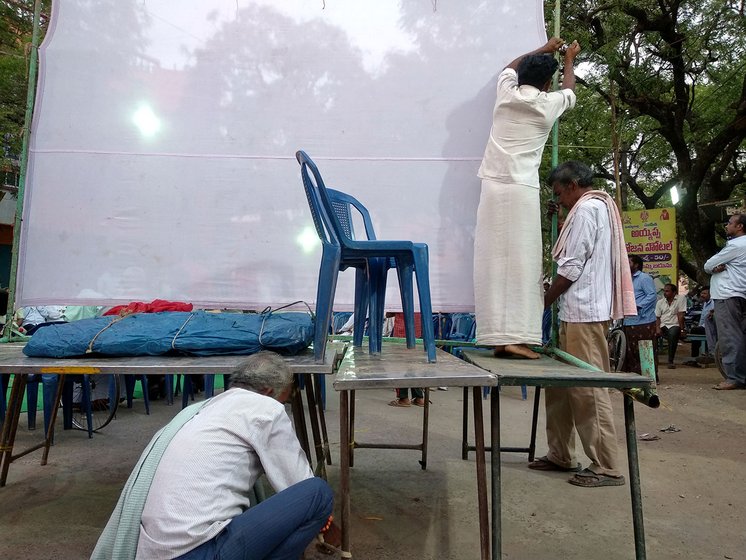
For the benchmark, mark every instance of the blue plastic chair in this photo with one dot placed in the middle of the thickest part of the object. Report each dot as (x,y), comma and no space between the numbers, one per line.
(372,258)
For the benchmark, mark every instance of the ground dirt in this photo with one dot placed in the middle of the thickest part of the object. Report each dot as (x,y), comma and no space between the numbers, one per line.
(694,495)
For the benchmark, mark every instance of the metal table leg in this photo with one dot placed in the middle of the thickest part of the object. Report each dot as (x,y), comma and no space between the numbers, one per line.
(496,479)
(634,477)
(484,530)
(465,425)
(534,422)
(425,422)
(344,470)
(319,379)
(314,418)
(299,420)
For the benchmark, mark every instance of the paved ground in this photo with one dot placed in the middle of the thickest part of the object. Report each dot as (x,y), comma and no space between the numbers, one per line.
(694,494)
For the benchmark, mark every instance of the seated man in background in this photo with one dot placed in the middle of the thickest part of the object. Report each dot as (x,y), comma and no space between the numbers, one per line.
(31,319)
(669,320)
(190,489)
(705,326)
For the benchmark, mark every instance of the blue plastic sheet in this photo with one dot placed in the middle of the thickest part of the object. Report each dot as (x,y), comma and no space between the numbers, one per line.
(153,334)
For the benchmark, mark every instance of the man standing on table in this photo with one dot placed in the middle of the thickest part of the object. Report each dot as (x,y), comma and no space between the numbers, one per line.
(728,289)
(507,242)
(594,283)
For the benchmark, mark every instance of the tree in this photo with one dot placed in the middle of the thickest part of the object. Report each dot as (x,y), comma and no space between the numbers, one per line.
(16,17)
(668,78)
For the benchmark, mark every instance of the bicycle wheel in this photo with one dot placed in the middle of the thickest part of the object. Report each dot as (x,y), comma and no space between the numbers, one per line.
(104,401)
(719,360)
(617,349)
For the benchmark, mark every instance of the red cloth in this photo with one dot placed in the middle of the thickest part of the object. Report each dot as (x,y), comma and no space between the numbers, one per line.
(400,332)
(154,306)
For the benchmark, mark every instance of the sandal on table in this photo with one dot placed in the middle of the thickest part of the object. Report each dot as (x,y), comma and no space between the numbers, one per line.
(544,464)
(588,479)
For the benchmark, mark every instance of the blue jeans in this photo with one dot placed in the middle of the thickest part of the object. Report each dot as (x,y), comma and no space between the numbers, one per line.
(279,528)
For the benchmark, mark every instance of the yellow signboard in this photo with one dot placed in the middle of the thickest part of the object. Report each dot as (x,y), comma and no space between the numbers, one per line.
(651,234)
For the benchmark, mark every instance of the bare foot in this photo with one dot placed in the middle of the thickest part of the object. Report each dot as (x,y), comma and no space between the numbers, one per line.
(521,350)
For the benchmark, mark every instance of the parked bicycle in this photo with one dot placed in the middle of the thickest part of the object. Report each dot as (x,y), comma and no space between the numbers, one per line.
(617,342)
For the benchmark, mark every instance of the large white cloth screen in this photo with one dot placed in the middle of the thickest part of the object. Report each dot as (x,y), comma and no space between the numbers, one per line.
(162,160)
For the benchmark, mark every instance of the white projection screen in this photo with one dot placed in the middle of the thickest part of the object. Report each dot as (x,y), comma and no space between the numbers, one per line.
(162,157)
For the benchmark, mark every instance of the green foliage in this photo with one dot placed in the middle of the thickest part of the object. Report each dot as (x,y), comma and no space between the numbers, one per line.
(674,72)
(16,25)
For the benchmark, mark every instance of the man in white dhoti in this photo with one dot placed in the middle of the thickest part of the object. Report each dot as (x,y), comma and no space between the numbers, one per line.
(507,245)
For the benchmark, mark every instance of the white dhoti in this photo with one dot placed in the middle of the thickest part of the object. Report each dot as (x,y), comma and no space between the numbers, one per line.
(508,283)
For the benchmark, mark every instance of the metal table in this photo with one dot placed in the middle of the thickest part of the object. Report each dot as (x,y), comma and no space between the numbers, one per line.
(397,366)
(13,361)
(548,372)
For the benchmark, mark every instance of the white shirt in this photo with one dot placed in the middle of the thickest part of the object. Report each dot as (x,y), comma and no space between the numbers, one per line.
(37,315)
(521,121)
(204,477)
(586,261)
(668,313)
(732,281)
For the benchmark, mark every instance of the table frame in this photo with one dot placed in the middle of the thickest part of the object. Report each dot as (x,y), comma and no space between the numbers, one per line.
(13,361)
(530,373)
(395,367)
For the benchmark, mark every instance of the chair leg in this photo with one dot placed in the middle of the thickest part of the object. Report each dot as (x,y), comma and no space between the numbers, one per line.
(169,389)
(32,395)
(129,388)
(406,289)
(49,394)
(85,403)
(422,271)
(209,385)
(145,392)
(377,303)
(361,306)
(327,286)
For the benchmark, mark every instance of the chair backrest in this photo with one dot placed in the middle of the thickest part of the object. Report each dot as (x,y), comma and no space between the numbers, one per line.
(320,199)
(463,327)
(342,204)
(313,185)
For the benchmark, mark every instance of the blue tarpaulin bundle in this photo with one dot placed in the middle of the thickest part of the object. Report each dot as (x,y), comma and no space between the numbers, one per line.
(153,334)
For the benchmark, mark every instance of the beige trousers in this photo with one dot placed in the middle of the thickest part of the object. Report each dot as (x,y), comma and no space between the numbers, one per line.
(586,409)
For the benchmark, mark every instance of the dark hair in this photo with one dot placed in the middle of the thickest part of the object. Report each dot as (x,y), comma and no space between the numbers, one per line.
(702,288)
(741,220)
(569,171)
(673,287)
(637,259)
(536,70)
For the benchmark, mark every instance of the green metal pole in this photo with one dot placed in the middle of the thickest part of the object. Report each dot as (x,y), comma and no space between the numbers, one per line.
(30,93)
(555,162)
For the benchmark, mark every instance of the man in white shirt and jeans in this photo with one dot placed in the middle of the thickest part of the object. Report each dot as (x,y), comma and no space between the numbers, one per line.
(728,289)
(669,320)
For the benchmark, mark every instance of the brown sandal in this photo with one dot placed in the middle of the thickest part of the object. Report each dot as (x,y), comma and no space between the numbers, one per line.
(544,464)
(404,403)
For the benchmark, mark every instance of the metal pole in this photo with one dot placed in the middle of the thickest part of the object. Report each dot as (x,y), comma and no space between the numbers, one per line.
(555,162)
(30,93)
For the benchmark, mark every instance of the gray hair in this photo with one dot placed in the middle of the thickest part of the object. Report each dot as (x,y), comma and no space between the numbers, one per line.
(569,171)
(261,371)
